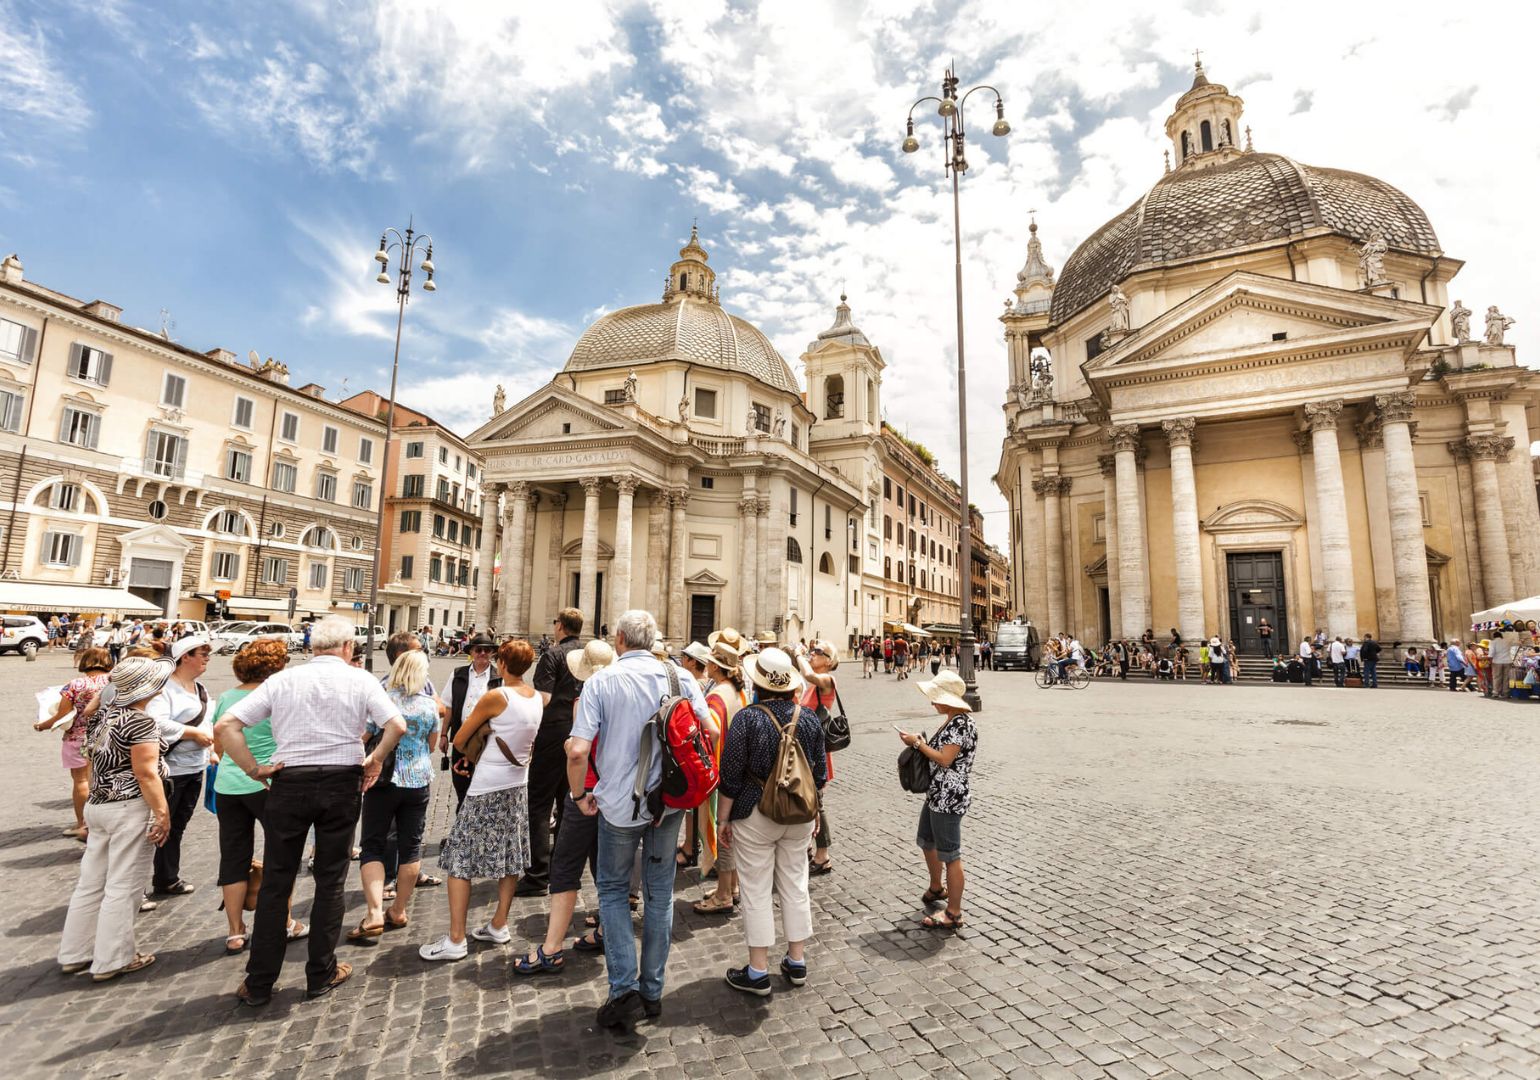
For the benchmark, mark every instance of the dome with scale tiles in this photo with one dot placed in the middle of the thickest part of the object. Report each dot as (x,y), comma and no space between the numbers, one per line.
(690,324)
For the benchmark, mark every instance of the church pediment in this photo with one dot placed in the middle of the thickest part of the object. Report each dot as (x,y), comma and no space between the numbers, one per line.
(551,411)
(1252,515)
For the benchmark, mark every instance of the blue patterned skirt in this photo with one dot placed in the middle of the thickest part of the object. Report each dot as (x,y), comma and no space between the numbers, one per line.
(490,836)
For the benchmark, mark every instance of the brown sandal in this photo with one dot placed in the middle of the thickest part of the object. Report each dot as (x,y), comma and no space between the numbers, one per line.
(340,975)
(138,963)
(947,920)
(365,933)
(392,924)
(712,906)
(933,895)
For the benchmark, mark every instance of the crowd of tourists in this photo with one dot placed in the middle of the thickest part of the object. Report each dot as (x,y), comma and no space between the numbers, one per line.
(898,656)
(557,763)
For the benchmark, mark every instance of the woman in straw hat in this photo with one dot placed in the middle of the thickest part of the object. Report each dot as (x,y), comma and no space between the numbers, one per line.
(724,700)
(817,663)
(950,751)
(577,842)
(127,818)
(769,856)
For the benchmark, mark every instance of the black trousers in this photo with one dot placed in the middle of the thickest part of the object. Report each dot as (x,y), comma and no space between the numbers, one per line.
(239,816)
(461,783)
(301,797)
(182,800)
(547,783)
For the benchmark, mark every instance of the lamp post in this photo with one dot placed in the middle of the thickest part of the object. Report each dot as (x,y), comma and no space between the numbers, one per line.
(949,106)
(404,246)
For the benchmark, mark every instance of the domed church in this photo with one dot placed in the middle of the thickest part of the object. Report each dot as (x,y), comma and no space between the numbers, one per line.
(1249,396)
(674,463)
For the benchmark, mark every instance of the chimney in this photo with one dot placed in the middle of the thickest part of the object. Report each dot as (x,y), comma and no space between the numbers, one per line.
(10,269)
(315,390)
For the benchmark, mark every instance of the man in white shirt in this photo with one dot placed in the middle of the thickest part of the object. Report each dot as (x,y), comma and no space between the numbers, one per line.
(320,713)
(1338,662)
(1502,664)
(1307,660)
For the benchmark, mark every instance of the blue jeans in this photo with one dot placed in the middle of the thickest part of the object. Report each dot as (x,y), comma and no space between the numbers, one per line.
(617,855)
(1372,674)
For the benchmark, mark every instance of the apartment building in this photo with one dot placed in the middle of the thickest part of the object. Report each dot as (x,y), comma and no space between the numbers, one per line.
(921,533)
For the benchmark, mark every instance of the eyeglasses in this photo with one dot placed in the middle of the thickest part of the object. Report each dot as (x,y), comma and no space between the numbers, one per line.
(482,649)
(819,652)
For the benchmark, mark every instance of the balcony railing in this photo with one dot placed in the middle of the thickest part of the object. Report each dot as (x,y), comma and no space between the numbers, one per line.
(717,447)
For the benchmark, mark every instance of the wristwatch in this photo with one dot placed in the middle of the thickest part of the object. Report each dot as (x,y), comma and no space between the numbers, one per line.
(579,797)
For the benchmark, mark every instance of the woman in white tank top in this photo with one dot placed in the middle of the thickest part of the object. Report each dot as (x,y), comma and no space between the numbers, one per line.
(724,700)
(490,835)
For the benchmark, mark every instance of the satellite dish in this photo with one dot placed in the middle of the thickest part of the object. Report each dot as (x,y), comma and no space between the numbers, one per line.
(254,358)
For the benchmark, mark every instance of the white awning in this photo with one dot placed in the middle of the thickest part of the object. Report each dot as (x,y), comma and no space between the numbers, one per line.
(75,599)
(909,628)
(263,605)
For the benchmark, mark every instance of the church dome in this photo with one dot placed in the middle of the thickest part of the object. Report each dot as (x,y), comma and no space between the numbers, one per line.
(1254,199)
(688,325)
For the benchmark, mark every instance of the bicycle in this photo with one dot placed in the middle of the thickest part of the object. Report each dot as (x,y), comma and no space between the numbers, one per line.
(1074,676)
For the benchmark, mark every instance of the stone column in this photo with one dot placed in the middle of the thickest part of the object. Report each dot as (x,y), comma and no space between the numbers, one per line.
(486,555)
(527,587)
(588,565)
(678,500)
(764,611)
(555,590)
(1408,550)
(1184,527)
(1109,468)
(1521,512)
(1050,488)
(620,566)
(514,554)
(1136,608)
(657,553)
(748,563)
(1491,525)
(1331,521)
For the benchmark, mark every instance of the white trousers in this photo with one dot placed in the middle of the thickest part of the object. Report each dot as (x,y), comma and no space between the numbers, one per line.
(773,858)
(113,872)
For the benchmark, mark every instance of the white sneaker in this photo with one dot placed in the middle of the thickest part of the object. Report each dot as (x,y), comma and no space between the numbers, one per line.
(443,949)
(488,932)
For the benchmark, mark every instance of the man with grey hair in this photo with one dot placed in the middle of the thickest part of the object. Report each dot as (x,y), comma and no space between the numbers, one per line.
(320,713)
(615,710)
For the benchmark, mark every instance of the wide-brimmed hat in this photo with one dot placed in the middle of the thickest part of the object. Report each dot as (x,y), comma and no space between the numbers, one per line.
(480,641)
(828,649)
(698,652)
(1213,641)
(729,637)
(584,662)
(773,670)
(947,688)
(659,649)
(136,678)
(184,645)
(726,657)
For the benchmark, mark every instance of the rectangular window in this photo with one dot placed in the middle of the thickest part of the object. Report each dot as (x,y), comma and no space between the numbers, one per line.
(457,463)
(470,470)
(761,417)
(414,449)
(326,486)
(227,566)
(887,487)
(411,486)
(238,466)
(796,435)
(165,455)
(11,405)
(92,365)
(705,403)
(245,408)
(365,450)
(454,531)
(64,497)
(615,397)
(443,455)
(275,571)
(1094,345)
(441,492)
(288,427)
(18,343)
(411,521)
(353,579)
(62,548)
(79,428)
(173,391)
(435,569)
(363,495)
(328,440)
(438,526)
(285,476)
(318,575)
(708,482)
(406,567)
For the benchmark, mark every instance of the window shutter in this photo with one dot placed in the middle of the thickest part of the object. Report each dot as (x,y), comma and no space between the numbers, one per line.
(93,429)
(76,546)
(106,368)
(76,348)
(28,344)
(149,450)
(13,412)
(180,466)
(64,425)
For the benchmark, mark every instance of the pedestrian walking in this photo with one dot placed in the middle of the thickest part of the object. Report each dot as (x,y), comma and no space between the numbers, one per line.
(320,713)
(128,778)
(771,852)
(617,711)
(939,835)
(548,768)
(490,836)
(93,665)
(182,711)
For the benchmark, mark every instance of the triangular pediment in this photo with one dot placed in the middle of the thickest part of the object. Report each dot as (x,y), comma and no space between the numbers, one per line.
(154,536)
(704,579)
(1248,315)
(551,411)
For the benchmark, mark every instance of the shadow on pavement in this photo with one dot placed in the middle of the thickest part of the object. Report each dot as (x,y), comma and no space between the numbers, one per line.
(591,1050)
(40,859)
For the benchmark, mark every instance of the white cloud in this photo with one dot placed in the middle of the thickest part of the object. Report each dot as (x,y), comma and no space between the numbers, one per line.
(33,84)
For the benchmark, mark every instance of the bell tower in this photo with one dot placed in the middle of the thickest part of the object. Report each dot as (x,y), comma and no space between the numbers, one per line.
(844,380)
(690,276)
(1205,126)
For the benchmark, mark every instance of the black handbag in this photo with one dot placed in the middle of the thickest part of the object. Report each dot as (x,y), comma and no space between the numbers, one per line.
(836,728)
(914,769)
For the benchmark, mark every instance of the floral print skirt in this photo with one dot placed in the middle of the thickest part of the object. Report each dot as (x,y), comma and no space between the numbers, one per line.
(490,836)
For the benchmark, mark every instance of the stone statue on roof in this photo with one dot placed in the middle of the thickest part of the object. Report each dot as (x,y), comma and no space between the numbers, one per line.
(1459,322)
(1497,325)
(780,424)
(630,387)
(1118,301)
(1371,258)
(499,400)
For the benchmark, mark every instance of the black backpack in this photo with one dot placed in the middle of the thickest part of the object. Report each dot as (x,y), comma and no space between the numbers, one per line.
(914,769)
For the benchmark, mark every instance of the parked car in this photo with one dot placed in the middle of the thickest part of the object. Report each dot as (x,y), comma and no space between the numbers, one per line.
(235,635)
(361,637)
(22,634)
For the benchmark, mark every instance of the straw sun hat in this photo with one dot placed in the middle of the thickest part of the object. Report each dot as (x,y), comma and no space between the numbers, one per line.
(136,678)
(947,688)
(729,637)
(584,662)
(773,670)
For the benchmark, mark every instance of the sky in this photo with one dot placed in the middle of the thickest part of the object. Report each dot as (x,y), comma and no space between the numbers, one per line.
(224,170)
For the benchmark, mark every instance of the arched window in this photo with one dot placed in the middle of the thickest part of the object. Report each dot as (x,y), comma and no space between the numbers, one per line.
(825,564)
(922,579)
(834,397)
(1186,144)
(683,279)
(1206,133)
(230,523)
(1225,138)
(793,550)
(321,537)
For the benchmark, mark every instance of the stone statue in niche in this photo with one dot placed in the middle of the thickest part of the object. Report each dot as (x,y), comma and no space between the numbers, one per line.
(684,410)
(499,400)
(1118,302)
(780,424)
(1371,258)
(630,387)
(751,426)
(1459,322)
(1497,325)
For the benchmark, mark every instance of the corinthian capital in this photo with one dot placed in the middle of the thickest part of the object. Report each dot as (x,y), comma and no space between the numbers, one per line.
(627,484)
(592,485)
(748,506)
(1124,437)
(1108,463)
(1396,408)
(517,490)
(678,498)
(1179,429)
(1488,447)
(1322,415)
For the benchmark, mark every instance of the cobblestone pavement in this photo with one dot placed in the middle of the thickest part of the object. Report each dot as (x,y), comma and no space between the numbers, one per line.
(1163,881)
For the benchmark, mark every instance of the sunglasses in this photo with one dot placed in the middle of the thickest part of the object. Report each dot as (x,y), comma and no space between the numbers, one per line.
(482,649)
(820,652)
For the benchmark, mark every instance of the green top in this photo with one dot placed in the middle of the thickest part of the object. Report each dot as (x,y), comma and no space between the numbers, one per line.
(229,780)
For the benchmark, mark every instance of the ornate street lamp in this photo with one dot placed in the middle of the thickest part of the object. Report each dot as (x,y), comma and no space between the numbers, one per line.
(950,108)
(405,246)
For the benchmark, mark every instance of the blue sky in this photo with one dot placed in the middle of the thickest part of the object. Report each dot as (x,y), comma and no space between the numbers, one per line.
(234,164)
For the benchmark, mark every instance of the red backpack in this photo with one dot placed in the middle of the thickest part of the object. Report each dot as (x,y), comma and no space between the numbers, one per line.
(689,771)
